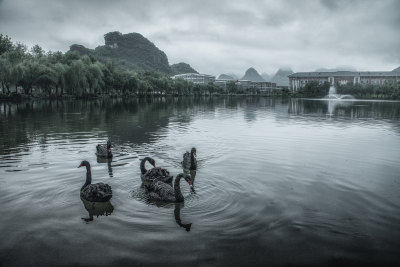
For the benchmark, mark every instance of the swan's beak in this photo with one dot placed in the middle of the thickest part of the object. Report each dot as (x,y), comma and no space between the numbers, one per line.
(80,166)
(194,153)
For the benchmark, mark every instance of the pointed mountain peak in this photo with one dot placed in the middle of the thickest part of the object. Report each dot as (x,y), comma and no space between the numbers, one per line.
(252,75)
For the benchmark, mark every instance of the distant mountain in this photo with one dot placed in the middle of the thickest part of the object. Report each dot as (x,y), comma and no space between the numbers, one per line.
(281,77)
(235,77)
(266,76)
(396,69)
(132,51)
(252,75)
(340,68)
(182,68)
(225,77)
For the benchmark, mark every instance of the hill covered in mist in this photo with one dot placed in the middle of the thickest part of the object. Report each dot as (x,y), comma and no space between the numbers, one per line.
(133,51)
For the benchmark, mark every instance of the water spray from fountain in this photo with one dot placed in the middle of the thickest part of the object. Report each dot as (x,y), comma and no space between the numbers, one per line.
(332,95)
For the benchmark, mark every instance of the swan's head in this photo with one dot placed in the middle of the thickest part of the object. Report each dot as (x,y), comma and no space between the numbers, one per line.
(187,179)
(84,163)
(109,146)
(193,151)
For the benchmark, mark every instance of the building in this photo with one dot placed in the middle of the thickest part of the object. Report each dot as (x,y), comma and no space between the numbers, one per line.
(265,87)
(262,87)
(300,79)
(195,78)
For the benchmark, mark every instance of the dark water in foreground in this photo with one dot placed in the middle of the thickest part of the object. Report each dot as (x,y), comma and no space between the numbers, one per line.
(300,182)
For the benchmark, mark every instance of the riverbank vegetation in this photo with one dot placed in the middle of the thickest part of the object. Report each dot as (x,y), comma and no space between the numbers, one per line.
(36,73)
(389,90)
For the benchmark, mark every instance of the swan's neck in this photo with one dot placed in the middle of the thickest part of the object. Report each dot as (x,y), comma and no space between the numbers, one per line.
(142,167)
(88,177)
(193,163)
(177,189)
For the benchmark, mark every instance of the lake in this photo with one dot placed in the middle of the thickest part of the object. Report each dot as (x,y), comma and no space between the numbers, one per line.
(279,182)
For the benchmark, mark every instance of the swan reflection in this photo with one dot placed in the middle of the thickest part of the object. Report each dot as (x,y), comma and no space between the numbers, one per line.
(108,161)
(192,174)
(97,209)
(177,214)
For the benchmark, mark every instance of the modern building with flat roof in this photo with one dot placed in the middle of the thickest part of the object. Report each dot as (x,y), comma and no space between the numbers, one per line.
(263,87)
(300,79)
(195,78)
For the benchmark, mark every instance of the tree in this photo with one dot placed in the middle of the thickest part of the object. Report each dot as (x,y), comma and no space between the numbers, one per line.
(5,44)
(5,72)
(231,87)
(75,77)
(31,70)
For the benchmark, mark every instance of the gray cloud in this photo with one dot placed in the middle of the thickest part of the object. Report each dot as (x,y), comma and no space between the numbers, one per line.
(222,36)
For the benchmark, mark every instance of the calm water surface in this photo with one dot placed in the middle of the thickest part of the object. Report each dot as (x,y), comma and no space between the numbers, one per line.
(279,182)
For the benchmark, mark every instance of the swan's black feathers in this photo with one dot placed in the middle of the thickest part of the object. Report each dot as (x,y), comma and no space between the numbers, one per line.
(186,161)
(189,160)
(160,191)
(97,192)
(104,150)
(157,174)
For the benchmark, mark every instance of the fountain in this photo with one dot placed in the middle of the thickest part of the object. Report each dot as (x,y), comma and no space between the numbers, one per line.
(335,100)
(333,96)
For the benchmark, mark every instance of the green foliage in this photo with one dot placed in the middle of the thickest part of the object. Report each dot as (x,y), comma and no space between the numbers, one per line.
(315,89)
(37,51)
(388,90)
(71,74)
(5,44)
(182,68)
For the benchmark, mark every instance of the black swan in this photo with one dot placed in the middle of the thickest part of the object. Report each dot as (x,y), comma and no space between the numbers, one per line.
(104,150)
(155,173)
(94,192)
(189,160)
(160,191)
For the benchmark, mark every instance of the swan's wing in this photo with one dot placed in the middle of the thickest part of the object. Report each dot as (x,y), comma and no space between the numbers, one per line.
(97,192)
(160,191)
(157,174)
(101,150)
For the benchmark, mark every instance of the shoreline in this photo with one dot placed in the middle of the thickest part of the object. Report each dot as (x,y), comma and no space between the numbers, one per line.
(17,97)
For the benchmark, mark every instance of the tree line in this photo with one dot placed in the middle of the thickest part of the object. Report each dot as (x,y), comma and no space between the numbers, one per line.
(388,90)
(56,74)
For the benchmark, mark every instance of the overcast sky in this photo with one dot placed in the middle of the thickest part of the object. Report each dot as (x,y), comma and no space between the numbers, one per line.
(224,36)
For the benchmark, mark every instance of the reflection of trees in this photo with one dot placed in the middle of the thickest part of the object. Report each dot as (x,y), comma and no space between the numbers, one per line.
(347,109)
(121,119)
(125,120)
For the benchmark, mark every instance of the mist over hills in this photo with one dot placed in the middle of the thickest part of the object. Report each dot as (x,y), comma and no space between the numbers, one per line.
(266,76)
(225,77)
(132,51)
(340,68)
(281,77)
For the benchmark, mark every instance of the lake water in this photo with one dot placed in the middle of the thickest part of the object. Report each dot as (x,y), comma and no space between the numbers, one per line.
(279,182)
